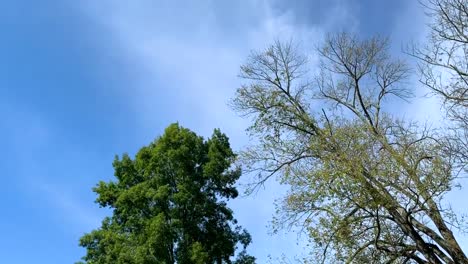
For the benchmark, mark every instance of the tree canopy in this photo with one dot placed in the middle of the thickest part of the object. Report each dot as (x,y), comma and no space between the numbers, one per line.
(169,205)
(366,186)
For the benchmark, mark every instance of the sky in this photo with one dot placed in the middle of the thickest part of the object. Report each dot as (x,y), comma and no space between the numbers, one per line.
(82,81)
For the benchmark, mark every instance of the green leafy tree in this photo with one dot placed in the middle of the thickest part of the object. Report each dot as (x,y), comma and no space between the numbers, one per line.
(366,186)
(169,205)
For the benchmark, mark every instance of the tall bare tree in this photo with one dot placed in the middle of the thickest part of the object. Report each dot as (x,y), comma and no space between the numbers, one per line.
(365,186)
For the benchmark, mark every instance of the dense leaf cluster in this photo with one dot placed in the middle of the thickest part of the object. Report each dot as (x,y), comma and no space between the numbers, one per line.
(169,205)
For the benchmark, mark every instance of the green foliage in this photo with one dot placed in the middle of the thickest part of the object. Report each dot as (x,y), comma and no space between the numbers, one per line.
(169,205)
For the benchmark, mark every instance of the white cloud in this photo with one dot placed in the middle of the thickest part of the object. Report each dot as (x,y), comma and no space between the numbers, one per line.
(191,61)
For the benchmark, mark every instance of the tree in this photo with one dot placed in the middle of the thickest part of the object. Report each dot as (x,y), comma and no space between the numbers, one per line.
(444,65)
(169,205)
(366,186)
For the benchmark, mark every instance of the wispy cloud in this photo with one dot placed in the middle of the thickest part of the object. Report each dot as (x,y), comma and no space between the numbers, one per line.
(72,211)
(191,59)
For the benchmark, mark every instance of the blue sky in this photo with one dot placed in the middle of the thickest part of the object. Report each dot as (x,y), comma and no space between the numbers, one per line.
(81,81)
